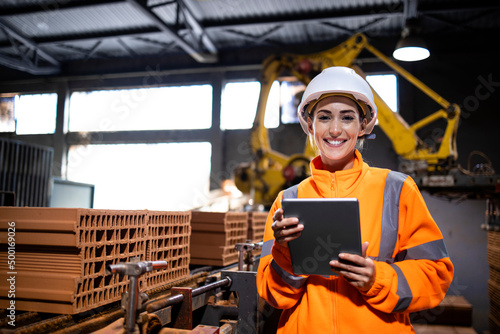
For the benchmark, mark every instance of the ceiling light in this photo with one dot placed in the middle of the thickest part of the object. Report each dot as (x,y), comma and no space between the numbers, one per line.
(411,48)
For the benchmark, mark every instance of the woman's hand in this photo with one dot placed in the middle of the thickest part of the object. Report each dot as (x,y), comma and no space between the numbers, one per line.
(285,229)
(361,273)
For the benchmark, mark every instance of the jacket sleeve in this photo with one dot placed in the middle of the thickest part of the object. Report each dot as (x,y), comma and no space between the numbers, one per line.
(276,282)
(422,271)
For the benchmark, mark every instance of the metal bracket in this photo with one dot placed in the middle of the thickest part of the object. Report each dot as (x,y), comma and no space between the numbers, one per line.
(492,217)
(132,300)
(245,256)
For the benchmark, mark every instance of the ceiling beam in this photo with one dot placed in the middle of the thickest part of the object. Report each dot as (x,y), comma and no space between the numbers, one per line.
(193,26)
(29,60)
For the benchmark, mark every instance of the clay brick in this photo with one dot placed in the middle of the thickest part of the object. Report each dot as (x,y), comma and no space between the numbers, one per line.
(214,236)
(168,240)
(62,254)
(256,225)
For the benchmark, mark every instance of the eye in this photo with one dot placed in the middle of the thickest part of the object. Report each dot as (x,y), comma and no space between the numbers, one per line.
(323,116)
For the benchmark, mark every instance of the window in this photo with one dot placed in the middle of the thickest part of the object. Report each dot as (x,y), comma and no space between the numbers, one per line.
(239,105)
(159,108)
(291,95)
(387,87)
(29,114)
(143,176)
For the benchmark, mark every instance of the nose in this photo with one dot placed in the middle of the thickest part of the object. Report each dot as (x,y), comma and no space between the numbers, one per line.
(335,128)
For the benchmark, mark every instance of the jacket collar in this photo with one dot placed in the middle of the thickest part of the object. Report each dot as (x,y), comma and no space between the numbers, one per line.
(340,183)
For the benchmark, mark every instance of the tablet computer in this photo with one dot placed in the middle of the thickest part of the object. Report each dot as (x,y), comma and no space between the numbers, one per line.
(331,226)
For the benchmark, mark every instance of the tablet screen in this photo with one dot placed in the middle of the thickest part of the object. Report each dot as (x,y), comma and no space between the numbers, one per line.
(331,226)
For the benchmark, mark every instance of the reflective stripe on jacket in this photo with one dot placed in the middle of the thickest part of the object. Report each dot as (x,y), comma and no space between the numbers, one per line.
(413,270)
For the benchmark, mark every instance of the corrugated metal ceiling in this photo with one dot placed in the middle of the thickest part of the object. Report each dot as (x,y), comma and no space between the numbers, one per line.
(41,36)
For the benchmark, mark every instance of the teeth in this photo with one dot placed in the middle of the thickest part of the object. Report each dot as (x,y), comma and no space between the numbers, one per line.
(335,142)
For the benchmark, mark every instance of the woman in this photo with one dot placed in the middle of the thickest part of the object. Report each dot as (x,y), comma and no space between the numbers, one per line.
(404,265)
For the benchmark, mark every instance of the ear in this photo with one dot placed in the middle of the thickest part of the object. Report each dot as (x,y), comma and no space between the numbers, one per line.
(310,125)
(362,127)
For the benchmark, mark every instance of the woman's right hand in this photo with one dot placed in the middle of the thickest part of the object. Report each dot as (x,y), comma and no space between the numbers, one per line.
(285,229)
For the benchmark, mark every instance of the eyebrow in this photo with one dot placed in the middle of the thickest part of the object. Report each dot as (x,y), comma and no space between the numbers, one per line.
(344,111)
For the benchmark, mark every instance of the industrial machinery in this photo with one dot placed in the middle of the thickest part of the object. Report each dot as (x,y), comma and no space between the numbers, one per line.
(210,300)
(431,162)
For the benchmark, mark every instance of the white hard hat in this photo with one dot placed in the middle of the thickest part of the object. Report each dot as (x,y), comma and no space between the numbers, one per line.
(339,80)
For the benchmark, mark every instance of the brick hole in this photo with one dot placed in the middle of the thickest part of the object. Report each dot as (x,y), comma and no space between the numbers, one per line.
(109,235)
(85,269)
(84,301)
(99,235)
(79,288)
(98,251)
(98,297)
(110,250)
(120,278)
(131,247)
(124,234)
(98,282)
(98,266)
(133,232)
(123,248)
(78,302)
(108,279)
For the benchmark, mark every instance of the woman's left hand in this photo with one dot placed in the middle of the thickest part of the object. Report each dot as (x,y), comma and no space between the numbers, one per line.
(361,273)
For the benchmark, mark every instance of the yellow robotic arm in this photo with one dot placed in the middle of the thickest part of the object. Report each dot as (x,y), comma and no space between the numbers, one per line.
(269,172)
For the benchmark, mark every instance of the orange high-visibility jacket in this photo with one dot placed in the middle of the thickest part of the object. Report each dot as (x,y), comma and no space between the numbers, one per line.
(413,269)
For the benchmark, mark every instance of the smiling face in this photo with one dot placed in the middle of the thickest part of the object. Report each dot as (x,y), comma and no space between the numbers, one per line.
(335,125)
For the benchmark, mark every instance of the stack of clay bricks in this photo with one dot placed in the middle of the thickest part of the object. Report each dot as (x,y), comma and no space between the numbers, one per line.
(214,236)
(61,254)
(256,225)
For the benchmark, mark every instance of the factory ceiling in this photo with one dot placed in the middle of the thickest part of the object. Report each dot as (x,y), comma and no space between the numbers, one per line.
(79,37)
